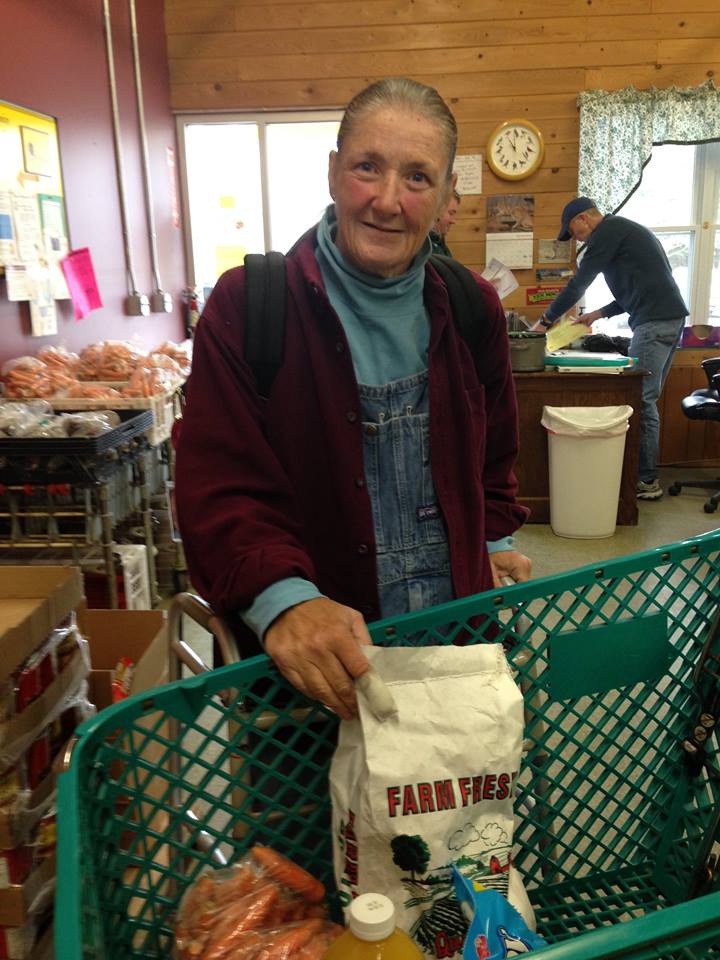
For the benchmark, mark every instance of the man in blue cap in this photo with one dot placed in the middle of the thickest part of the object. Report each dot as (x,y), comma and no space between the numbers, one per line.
(637,271)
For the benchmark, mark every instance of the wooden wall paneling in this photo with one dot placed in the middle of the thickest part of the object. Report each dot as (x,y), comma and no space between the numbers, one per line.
(653,75)
(683,7)
(490,59)
(190,16)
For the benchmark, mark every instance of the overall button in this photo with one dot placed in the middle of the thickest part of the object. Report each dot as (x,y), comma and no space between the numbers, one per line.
(363,549)
(351,416)
(339,347)
(360,482)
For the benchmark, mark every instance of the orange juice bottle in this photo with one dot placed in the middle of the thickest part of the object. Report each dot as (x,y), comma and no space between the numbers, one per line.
(372,934)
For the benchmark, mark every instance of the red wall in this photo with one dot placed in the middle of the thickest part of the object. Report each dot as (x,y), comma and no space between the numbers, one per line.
(53,61)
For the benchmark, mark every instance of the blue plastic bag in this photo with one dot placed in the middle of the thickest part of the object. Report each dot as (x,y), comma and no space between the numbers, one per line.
(496,929)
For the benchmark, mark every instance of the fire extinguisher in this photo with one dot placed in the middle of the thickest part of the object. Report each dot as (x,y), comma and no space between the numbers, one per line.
(192,308)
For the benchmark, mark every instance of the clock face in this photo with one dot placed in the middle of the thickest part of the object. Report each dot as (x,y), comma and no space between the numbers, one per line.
(515,149)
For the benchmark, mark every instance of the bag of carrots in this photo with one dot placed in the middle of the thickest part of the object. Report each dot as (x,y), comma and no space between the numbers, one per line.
(59,358)
(108,360)
(26,377)
(181,353)
(264,907)
(148,381)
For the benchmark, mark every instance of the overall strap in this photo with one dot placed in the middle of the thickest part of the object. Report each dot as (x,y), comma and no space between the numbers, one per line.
(265,289)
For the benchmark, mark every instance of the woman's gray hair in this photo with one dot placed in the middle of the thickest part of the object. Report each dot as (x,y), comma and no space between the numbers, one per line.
(409,95)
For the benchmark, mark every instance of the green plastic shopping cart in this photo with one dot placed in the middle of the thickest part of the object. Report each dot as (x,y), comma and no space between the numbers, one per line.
(617,798)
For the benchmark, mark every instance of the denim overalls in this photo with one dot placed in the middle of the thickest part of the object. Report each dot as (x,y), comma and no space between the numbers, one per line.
(413,558)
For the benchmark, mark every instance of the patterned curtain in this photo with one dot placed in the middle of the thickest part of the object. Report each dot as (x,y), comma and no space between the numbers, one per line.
(618,130)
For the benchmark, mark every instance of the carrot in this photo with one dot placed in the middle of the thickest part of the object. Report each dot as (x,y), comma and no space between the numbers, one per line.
(242,882)
(248,913)
(284,871)
(243,947)
(287,942)
(197,896)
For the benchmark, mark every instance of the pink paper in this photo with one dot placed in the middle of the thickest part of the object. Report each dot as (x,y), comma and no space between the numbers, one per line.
(80,278)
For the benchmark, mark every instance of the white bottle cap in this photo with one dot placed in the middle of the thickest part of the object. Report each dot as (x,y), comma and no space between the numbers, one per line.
(372,916)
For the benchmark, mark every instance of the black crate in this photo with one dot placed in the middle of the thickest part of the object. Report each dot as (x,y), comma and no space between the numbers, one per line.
(46,460)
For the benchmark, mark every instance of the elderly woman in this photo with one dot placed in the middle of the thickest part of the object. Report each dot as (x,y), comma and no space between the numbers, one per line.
(377,477)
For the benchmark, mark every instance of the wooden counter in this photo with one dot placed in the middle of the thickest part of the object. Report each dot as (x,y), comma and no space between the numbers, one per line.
(550,388)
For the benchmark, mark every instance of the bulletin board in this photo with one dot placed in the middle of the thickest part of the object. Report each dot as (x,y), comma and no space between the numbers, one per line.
(33,223)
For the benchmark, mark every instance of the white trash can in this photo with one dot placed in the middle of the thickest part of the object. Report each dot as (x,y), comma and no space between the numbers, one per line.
(585,453)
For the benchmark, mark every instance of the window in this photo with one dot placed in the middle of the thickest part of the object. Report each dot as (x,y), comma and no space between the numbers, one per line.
(251,184)
(679,201)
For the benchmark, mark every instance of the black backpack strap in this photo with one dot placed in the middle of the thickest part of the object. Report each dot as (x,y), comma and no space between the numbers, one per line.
(265,288)
(468,306)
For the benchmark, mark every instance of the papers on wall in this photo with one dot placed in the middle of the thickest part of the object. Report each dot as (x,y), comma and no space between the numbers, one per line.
(500,277)
(34,282)
(512,249)
(55,242)
(33,235)
(468,168)
(80,276)
(8,251)
(33,226)
(28,229)
(43,316)
(18,281)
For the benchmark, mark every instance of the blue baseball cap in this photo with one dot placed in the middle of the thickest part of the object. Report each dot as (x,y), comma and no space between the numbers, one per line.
(572,209)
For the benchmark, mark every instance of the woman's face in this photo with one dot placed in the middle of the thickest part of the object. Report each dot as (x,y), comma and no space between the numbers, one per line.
(389,183)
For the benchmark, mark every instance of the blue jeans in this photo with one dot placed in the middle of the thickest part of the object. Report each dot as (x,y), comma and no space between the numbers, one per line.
(653,344)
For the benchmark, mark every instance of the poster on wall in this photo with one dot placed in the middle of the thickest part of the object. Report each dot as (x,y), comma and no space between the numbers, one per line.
(33,221)
(510,220)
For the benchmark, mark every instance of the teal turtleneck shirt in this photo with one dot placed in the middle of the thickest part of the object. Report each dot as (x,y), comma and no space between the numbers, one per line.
(384,318)
(388,330)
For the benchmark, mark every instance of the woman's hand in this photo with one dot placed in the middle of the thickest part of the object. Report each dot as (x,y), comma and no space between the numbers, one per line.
(510,563)
(317,646)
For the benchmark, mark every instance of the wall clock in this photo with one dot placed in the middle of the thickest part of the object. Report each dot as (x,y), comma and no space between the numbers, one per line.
(515,149)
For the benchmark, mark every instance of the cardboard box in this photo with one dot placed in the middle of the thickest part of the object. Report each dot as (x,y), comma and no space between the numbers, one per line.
(16,824)
(22,943)
(140,635)
(35,717)
(33,601)
(15,901)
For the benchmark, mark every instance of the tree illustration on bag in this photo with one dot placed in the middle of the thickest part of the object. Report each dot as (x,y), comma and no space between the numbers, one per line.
(410,853)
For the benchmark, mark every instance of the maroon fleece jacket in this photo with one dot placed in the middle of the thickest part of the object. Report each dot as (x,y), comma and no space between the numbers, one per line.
(273,489)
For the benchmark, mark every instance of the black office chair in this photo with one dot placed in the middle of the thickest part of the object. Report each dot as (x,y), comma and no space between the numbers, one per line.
(703,404)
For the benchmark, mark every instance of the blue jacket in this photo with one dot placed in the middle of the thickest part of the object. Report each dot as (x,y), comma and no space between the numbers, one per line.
(636,269)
